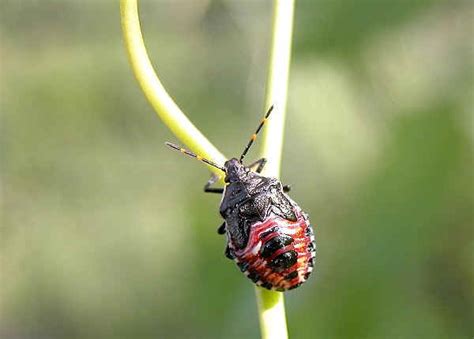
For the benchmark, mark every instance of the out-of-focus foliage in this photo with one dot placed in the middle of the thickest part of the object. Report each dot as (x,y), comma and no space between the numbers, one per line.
(106,234)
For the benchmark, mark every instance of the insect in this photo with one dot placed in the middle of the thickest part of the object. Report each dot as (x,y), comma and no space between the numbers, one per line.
(268,235)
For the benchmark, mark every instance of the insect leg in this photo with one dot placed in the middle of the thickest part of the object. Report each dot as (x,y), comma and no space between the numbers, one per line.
(261,164)
(221,229)
(286,188)
(209,189)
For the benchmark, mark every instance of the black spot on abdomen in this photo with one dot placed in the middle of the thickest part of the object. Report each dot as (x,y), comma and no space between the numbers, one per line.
(285,260)
(267,232)
(292,275)
(275,244)
(244,266)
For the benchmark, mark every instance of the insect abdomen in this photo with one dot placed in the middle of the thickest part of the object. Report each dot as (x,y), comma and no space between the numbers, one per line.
(279,254)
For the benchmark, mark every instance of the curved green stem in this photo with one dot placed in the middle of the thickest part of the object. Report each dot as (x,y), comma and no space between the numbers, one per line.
(156,94)
(271,305)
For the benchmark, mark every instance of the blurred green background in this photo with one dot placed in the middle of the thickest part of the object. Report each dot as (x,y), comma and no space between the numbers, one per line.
(105,233)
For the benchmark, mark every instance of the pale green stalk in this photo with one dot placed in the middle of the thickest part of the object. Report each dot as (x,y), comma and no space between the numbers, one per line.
(271,306)
(156,94)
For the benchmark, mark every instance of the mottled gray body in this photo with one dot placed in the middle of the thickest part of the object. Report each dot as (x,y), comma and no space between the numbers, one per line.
(250,197)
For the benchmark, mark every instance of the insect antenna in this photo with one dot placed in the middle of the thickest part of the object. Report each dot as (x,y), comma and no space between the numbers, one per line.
(191,154)
(254,136)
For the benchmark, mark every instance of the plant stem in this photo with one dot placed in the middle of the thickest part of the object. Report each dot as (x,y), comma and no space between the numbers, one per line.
(277,84)
(271,305)
(156,94)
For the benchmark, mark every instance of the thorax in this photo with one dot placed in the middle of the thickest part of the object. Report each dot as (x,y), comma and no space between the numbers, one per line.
(240,192)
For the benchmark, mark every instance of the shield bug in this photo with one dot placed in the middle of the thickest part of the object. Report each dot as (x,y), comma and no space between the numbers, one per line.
(268,235)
